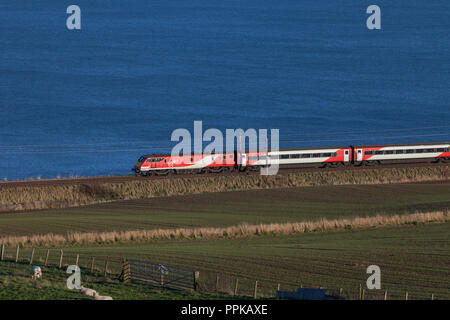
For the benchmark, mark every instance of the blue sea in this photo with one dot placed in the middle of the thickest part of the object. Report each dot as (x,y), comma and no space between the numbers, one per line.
(91,101)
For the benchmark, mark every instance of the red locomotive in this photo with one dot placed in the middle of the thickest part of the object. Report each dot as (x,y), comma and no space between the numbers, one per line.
(162,164)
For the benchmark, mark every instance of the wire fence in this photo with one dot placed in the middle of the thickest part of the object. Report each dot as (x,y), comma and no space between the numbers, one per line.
(206,281)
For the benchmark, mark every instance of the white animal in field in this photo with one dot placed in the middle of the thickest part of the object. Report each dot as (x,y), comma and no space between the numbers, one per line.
(36,272)
(87,291)
(97,297)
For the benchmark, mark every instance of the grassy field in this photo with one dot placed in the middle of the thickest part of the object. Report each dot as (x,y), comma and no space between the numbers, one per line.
(413,258)
(231,208)
(16,284)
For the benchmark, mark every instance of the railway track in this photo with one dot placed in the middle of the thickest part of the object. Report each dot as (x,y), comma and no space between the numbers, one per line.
(126,178)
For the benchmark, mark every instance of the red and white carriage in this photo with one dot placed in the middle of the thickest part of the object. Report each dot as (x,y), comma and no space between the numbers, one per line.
(401,153)
(161,164)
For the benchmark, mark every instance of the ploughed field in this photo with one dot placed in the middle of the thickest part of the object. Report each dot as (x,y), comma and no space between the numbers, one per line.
(232,208)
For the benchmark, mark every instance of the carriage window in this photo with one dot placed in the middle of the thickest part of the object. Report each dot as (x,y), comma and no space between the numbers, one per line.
(399,151)
(284,156)
(306,155)
(326,154)
(389,152)
(430,150)
(410,151)
(420,150)
(378,152)
(368,153)
(316,155)
(295,156)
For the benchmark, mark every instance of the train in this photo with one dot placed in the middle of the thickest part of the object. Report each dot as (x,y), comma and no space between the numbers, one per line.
(359,155)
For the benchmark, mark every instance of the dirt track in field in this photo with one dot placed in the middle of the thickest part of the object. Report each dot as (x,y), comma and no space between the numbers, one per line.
(126,178)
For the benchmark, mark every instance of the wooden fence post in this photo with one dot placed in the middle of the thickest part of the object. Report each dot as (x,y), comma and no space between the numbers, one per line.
(161,277)
(217,283)
(3,252)
(406,295)
(385,294)
(46,257)
(236,286)
(196,279)
(255,290)
(32,255)
(106,267)
(432,296)
(17,253)
(341,292)
(363,293)
(127,273)
(92,264)
(360,291)
(278,287)
(78,257)
(61,259)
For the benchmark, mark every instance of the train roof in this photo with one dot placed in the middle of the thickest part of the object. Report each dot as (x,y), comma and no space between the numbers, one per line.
(401,144)
(153,155)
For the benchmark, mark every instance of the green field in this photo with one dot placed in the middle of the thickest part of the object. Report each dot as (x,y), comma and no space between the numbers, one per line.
(16,284)
(231,208)
(412,257)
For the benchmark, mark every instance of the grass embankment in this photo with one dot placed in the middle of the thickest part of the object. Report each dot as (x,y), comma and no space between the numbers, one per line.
(16,284)
(224,209)
(59,196)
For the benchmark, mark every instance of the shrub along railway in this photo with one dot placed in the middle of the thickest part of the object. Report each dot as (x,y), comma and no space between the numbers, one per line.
(23,196)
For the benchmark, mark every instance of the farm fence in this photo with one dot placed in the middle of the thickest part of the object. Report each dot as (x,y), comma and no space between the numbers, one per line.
(163,275)
(202,280)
